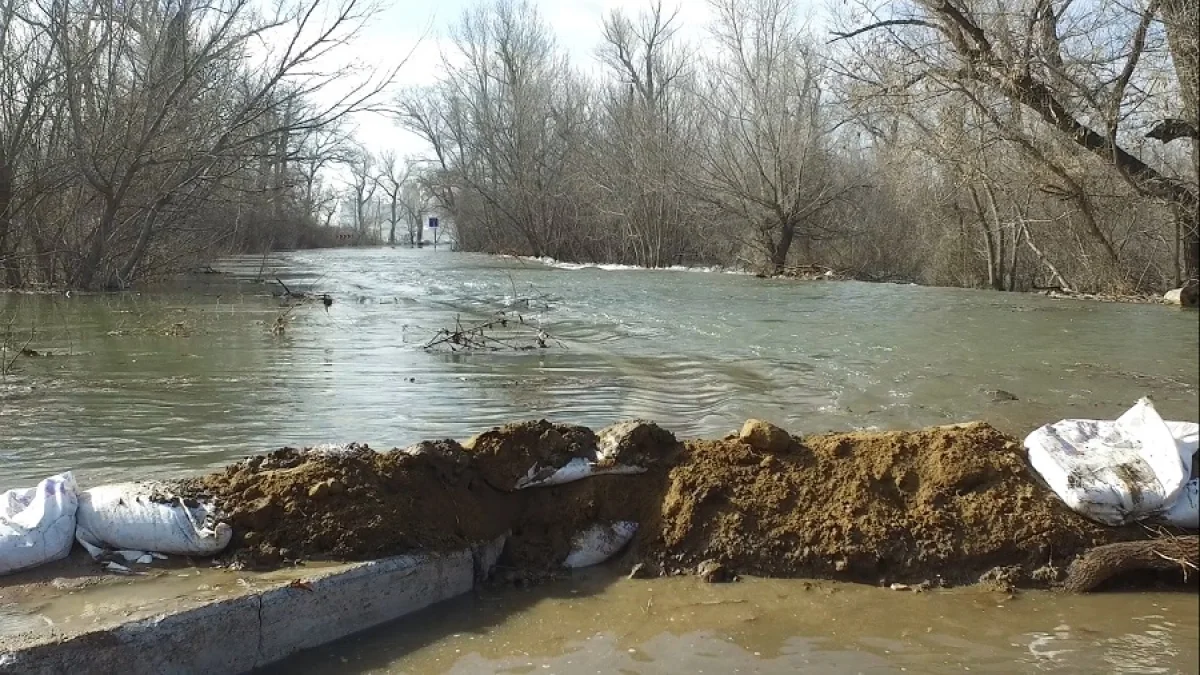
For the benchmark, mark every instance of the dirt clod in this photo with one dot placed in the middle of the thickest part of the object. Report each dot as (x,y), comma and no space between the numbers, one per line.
(636,443)
(713,572)
(765,436)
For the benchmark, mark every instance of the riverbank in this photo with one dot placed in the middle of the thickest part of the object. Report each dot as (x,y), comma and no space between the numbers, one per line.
(941,506)
(332,540)
(1186,296)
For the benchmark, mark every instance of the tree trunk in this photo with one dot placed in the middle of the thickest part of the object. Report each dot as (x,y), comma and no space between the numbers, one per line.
(1054,273)
(85,276)
(1102,563)
(1181,18)
(143,243)
(989,240)
(1183,39)
(11,274)
(779,252)
(392,230)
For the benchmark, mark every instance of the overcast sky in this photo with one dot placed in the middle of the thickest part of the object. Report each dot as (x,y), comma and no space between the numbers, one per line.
(576,25)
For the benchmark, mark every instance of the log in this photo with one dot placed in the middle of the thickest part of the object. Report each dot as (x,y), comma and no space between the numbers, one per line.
(1102,563)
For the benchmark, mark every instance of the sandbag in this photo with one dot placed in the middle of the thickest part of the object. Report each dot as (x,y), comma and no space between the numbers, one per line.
(37,525)
(599,542)
(623,448)
(1117,472)
(147,517)
(577,468)
(1185,512)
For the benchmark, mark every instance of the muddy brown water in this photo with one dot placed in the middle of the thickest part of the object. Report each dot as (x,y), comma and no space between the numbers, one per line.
(596,624)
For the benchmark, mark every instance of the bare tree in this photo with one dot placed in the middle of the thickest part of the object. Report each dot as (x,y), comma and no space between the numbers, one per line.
(391,178)
(415,202)
(766,156)
(506,125)
(360,194)
(1083,71)
(644,151)
(130,133)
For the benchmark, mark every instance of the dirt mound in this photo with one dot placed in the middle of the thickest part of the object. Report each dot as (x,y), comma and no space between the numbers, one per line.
(504,455)
(355,503)
(948,502)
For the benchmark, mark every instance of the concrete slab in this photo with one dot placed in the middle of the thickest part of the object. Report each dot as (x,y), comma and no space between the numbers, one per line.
(241,626)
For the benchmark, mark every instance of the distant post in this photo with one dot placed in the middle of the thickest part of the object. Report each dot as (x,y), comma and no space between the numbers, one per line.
(433,225)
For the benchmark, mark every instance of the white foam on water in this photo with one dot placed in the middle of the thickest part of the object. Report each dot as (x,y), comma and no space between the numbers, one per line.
(614,267)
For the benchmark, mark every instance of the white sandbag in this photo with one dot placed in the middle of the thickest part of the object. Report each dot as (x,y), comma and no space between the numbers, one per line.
(146,517)
(1185,512)
(576,469)
(37,525)
(1115,472)
(605,460)
(599,542)
(1187,439)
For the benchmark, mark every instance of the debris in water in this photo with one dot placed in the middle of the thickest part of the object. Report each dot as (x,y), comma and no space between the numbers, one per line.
(642,571)
(506,332)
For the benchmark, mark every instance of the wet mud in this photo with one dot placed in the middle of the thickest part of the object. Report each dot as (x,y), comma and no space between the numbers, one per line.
(941,506)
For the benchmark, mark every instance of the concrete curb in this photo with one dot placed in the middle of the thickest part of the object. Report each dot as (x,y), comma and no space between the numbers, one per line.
(236,635)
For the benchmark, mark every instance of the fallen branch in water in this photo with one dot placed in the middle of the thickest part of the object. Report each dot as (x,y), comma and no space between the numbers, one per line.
(304,296)
(504,333)
(8,343)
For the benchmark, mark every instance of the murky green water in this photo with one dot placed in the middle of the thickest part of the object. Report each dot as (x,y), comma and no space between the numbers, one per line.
(192,377)
(594,624)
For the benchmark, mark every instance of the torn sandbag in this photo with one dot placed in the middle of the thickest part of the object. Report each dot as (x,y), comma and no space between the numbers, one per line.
(37,525)
(599,542)
(623,448)
(1116,472)
(1185,512)
(148,517)
(576,469)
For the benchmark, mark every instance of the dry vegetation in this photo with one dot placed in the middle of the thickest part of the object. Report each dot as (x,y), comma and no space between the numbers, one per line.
(139,138)
(1012,145)
(1006,144)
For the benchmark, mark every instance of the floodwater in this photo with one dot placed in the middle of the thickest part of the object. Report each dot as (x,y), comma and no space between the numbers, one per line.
(593,624)
(189,378)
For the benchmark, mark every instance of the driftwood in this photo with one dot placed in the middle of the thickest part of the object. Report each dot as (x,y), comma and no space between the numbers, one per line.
(505,332)
(1105,562)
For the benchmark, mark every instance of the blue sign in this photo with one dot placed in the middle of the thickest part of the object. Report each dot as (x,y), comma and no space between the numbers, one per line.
(433,222)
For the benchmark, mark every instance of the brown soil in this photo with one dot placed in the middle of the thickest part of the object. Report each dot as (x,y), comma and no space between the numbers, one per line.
(947,502)
(942,504)
(504,455)
(355,505)
(550,518)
